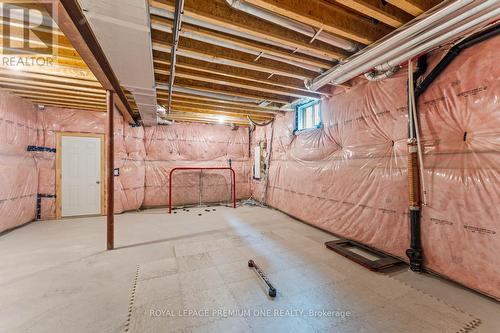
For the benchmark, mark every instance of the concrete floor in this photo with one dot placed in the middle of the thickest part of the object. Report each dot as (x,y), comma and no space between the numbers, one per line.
(187,273)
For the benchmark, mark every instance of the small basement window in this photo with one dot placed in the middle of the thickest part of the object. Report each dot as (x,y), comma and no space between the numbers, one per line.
(308,116)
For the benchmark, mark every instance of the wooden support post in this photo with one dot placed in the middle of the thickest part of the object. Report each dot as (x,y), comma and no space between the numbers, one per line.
(110,172)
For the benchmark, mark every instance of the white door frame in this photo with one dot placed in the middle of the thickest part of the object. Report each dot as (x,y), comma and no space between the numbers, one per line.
(59,136)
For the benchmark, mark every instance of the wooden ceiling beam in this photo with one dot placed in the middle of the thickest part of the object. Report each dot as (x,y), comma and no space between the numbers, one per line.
(197,76)
(43,38)
(188,101)
(36,83)
(190,119)
(321,15)
(21,84)
(229,71)
(213,53)
(61,95)
(227,90)
(67,105)
(221,102)
(248,44)
(414,7)
(50,78)
(61,100)
(187,116)
(59,57)
(387,14)
(195,106)
(62,71)
(220,13)
(181,108)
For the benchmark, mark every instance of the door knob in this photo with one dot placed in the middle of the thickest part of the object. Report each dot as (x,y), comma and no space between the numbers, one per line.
(97,182)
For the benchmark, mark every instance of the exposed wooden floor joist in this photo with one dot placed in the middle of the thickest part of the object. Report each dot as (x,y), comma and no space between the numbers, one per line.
(414,7)
(64,80)
(228,62)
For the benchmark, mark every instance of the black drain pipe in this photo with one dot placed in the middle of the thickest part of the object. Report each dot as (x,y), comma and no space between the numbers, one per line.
(414,253)
(451,55)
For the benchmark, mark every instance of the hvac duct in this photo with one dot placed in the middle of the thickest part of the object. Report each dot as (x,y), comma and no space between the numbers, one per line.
(293,25)
(441,24)
(127,32)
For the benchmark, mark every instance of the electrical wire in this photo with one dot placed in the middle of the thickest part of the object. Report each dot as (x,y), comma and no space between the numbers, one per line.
(412,111)
(257,123)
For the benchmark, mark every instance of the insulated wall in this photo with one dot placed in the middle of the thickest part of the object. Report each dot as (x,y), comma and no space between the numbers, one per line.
(350,177)
(195,145)
(144,157)
(460,120)
(18,172)
(53,120)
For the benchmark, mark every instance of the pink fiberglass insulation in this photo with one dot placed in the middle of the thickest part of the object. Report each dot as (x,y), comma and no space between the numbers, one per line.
(129,154)
(132,169)
(350,177)
(53,120)
(460,121)
(195,145)
(144,162)
(18,173)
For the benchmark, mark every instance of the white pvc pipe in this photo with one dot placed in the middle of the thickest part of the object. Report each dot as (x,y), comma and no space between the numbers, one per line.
(292,25)
(398,50)
(428,40)
(378,49)
(485,17)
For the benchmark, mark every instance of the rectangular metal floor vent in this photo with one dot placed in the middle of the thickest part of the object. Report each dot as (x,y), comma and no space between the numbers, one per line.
(362,254)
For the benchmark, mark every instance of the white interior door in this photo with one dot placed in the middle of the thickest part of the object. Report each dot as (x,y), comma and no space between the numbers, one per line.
(80,176)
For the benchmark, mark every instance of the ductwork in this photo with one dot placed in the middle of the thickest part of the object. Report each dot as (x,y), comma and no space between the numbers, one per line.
(440,25)
(293,25)
(123,31)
